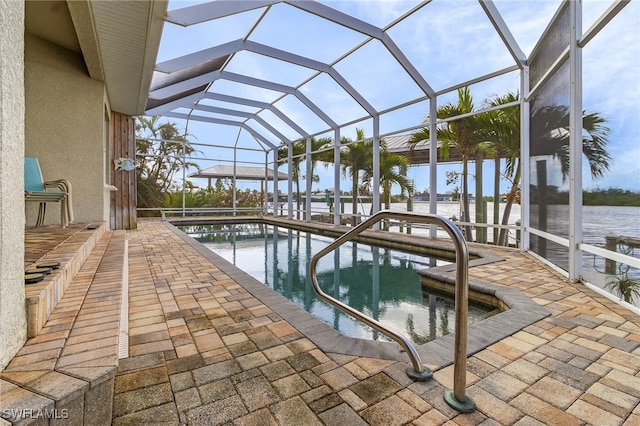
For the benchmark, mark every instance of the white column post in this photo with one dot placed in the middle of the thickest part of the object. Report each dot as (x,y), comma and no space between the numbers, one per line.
(336,177)
(433,162)
(525,152)
(575,144)
(307,201)
(184,176)
(265,196)
(235,174)
(376,166)
(274,198)
(290,181)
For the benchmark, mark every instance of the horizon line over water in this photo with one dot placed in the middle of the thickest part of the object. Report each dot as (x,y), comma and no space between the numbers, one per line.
(625,220)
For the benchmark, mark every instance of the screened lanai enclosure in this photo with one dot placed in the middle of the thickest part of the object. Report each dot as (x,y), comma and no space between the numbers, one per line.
(500,113)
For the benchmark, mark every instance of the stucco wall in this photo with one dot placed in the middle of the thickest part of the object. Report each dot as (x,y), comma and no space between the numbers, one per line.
(13,319)
(64,127)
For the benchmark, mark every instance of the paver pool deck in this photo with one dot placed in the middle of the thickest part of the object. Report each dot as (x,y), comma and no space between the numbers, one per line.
(205,350)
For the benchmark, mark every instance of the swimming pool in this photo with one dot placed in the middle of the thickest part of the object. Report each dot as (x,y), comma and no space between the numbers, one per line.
(378,282)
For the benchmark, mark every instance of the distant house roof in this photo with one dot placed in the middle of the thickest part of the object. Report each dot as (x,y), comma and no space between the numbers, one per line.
(241,173)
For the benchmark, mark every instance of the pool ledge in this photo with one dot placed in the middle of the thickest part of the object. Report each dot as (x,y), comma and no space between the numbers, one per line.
(520,312)
(436,354)
(440,248)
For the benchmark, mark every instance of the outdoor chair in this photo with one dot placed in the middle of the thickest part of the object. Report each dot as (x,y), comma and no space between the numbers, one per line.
(41,191)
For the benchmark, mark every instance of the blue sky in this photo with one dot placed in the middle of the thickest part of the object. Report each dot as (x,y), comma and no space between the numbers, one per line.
(449,42)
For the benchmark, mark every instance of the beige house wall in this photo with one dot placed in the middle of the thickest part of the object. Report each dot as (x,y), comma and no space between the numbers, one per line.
(65,128)
(13,318)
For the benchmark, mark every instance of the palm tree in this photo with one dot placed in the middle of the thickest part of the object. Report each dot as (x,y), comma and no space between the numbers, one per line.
(502,128)
(358,157)
(298,151)
(317,145)
(497,133)
(355,158)
(550,131)
(462,134)
(299,155)
(550,126)
(393,171)
(160,148)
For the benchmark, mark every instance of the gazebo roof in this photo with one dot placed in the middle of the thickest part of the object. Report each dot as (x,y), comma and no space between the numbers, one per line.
(419,153)
(241,173)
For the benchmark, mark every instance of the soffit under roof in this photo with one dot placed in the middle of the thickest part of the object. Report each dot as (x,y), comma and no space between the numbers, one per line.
(118,40)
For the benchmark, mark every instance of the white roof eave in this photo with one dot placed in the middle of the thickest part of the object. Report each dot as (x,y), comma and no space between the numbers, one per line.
(119,43)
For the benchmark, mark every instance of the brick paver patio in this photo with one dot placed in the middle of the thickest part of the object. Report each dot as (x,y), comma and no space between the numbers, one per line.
(204,351)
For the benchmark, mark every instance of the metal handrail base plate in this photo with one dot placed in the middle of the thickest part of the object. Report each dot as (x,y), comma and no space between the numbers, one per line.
(419,376)
(466,406)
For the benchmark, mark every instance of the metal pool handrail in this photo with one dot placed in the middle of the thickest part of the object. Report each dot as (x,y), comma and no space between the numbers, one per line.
(456,398)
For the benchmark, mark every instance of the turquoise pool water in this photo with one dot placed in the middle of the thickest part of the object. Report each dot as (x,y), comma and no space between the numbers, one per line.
(379,282)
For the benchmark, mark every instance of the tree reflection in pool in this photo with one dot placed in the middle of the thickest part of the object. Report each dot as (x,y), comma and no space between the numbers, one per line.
(378,282)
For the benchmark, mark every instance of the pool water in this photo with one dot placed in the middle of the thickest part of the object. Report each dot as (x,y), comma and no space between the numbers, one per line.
(378,282)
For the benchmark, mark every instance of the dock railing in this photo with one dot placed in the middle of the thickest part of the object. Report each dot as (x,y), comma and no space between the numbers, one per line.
(619,244)
(457,397)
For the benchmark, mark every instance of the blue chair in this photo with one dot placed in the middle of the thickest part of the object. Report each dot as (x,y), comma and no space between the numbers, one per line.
(41,191)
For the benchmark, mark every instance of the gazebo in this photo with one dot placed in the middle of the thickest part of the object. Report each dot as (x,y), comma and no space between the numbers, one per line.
(235,173)
(238,173)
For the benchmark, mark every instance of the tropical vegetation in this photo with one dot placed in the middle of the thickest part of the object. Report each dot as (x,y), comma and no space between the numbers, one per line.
(298,153)
(355,158)
(551,136)
(493,133)
(462,134)
(496,134)
(611,197)
(624,287)
(356,163)
(220,195)
(393,172)
(160,149)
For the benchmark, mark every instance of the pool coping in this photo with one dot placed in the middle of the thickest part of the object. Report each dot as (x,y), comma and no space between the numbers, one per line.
(435,354)
(437,247)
